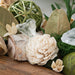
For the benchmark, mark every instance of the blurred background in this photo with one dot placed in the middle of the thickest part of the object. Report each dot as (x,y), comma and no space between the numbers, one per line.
(45,5)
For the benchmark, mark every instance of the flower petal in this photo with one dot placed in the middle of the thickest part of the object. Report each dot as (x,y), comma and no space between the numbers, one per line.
(59,62)
(53,65)
(14,29)
(8,28)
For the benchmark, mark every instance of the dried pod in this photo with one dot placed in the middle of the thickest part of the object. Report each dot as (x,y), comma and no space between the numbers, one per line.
(3,48)
(58,22)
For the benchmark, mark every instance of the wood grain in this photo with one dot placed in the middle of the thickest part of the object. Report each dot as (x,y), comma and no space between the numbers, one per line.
(10,67)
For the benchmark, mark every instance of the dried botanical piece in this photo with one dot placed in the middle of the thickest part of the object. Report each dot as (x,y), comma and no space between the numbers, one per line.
(11,30)
(28,28)
(57,23)
(69,37)
(5,18)
(26,9)
(17,46)
(6,3)
(71,21)
(58,65)
(41,48)
(3,48)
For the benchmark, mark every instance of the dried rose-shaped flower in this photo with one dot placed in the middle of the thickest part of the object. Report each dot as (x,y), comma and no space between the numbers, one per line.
(57,66)
(41,48)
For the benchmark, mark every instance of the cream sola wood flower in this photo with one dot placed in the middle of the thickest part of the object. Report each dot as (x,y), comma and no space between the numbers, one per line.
(41,48)
(57,66)
(11,29)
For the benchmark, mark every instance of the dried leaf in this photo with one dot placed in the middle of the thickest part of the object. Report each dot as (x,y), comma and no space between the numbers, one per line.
(5,18)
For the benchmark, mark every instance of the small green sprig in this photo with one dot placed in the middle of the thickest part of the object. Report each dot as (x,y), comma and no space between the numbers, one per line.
(72,25)
(46,17)
(56,6)
(42,30)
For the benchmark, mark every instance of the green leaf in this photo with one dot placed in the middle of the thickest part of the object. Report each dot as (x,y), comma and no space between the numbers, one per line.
(42,30)
(53,7)
(73,25)
(73,2)
(46,17)
(69,9)
(57,5)
(73,11)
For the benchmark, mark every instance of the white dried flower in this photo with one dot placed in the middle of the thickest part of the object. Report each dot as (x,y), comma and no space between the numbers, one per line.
(69,37)
(11,29)
(57,66)
(41,48)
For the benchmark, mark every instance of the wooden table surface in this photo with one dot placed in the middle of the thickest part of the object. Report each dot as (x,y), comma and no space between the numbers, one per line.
(10,67)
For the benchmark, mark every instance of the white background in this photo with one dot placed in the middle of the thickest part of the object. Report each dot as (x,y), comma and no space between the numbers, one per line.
(45,5)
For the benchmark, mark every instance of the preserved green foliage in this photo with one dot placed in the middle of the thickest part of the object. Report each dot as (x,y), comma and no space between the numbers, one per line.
(42,30)
(53,7)
(46,17)
(23,10)
(64,48)
(57,6)
(5,18)
(73,25)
